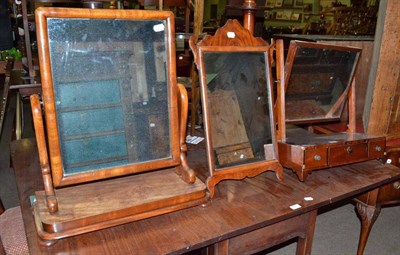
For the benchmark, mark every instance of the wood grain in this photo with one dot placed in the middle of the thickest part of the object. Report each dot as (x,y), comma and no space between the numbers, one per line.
(304,152)
(238,207)
(243,37)
(229,136)
(385,85)
(97,205)
(53,138)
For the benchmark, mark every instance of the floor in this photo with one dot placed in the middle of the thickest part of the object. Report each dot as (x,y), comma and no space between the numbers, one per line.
(337,227)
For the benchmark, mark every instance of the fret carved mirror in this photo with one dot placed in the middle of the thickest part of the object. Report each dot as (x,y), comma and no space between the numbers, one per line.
(235,78)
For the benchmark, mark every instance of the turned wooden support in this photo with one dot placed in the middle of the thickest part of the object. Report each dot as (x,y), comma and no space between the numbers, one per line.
(280,105)
(51,199)
(249,8)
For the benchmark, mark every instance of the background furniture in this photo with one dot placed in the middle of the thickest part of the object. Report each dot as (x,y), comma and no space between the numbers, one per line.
(381,112)
(238,208)
(355,20)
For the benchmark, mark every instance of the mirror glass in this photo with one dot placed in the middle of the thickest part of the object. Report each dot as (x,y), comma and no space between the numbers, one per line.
(239,107)
(318,82)
(111,91)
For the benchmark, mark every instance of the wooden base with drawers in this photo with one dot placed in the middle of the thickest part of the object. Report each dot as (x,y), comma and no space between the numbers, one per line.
(304,152)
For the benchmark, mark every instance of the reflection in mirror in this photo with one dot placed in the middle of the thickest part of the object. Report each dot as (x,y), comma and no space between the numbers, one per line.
(111,91)
(238,101)
(318,83)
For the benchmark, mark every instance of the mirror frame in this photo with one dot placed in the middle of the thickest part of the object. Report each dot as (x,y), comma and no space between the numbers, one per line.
(234,38)
(59,179)
(291,55)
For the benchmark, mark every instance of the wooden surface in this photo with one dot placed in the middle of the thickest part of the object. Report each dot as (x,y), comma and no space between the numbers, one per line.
(227,125)
(382,109)
(304,151)
(237,208)
(369,204)
(301,226)
(98,205)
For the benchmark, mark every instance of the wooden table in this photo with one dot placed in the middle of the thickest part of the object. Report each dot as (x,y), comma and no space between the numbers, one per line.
(237,219)
(369,204)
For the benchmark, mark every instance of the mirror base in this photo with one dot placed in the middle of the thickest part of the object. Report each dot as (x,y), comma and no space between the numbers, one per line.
(99,205)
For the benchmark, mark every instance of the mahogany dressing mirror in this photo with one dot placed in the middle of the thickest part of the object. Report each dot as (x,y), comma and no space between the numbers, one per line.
(111,108)
(235,78)
(318,84)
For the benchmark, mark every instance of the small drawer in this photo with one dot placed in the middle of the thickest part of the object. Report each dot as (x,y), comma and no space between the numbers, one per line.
(390,193)
(347,154)
(315,158)
(376,149)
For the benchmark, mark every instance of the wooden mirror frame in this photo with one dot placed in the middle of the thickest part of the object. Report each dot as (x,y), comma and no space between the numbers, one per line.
(233,38)
(109,201)
(338,106)
(56,161)
(320,147)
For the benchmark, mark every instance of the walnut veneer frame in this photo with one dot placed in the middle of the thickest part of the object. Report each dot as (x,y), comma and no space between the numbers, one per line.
(130,189)
(56,160)
(234,39)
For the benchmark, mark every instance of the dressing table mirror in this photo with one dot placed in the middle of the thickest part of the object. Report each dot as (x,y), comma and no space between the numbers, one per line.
(318,84)
(235,78)
(113,148)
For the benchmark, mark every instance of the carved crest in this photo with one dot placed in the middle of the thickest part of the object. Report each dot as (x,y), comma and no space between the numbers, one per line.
(232,34)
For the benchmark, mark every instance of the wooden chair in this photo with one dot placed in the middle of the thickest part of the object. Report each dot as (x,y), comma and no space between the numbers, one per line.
(12,231)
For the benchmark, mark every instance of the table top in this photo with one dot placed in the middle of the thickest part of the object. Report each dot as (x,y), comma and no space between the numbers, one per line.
(238,206)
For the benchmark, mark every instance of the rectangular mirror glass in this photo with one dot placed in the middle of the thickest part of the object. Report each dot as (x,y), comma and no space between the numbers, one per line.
(110,91)
(239,107)
(319,80)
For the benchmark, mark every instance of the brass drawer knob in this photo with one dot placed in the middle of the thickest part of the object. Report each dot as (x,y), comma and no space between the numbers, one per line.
(349,149)
(396,185)
(378,148)
(317,157)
